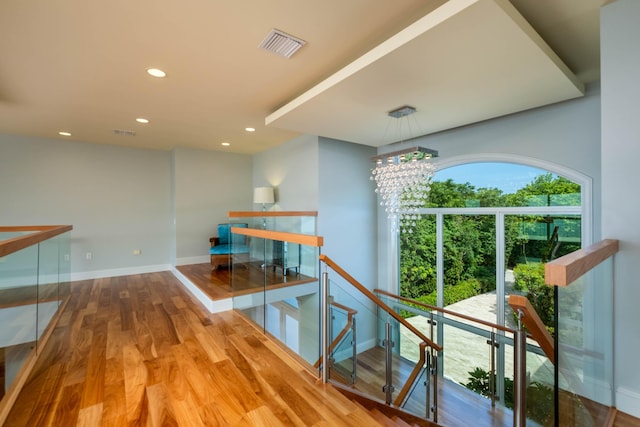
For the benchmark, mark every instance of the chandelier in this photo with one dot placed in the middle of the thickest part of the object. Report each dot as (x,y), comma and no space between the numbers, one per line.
(403,181)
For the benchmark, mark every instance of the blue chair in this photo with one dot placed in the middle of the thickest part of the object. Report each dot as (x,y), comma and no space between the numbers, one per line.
(226,245)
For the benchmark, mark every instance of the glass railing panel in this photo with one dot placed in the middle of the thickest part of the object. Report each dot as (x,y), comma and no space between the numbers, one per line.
(539,382)
(342,360)
(48,279)
(466,358)
(275,285)
(250,274)
(370,363)
(402,368)
(407,353)
(64,261)
(420,399)
(18,310)
(585,344)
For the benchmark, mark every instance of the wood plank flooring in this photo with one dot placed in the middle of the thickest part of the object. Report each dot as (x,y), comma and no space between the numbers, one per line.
(137,350)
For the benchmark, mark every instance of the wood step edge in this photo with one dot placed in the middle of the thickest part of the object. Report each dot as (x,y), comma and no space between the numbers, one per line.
(390,411)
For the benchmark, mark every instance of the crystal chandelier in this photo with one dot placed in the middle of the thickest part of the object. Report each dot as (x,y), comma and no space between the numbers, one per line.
(403,180)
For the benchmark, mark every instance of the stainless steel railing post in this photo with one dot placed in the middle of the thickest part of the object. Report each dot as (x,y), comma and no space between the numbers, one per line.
(492,378)
(434,381)
(388,387)
(427,383)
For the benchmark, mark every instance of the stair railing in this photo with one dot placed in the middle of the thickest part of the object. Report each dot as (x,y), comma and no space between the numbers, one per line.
(427,346)
(430,358)
(350,326)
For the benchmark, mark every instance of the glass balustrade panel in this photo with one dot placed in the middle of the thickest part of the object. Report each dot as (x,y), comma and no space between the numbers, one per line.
(407,370)
(466,358)
(64,261)
(18,310)
(249,277)
(585,345)
(342,367)
(276,286)
(370,363)
(539,382)
(48,281)
(419,400)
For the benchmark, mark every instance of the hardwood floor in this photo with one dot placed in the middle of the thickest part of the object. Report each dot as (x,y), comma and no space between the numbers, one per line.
(137,350)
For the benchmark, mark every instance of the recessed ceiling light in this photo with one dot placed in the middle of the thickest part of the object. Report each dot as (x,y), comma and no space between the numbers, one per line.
(156,72)
(142,120)
(226,144)
(250,129)
(64,133)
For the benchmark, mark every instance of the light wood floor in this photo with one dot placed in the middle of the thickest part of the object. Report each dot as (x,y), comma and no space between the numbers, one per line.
(137,350)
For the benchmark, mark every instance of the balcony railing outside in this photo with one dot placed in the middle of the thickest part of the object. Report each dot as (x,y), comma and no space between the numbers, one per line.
(34,282)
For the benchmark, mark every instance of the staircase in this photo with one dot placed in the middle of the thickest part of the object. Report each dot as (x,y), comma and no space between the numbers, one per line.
(387,416)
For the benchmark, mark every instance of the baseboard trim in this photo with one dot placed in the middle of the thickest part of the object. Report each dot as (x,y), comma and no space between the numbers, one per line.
(116,272)
(628,401)
(203,259)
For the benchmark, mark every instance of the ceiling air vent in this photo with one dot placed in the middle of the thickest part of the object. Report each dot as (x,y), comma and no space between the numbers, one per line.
(124,132)
(281,43)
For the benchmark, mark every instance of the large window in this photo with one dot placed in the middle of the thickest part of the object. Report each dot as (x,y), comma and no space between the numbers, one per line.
(486,231)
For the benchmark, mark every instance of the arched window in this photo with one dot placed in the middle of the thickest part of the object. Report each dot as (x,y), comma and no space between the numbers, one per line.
(488,227)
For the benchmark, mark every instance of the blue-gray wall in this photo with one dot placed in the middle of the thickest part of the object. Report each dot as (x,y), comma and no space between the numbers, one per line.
(620,62)
(117,198)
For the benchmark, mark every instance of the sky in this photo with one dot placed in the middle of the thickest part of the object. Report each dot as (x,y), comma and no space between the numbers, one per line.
(508,177)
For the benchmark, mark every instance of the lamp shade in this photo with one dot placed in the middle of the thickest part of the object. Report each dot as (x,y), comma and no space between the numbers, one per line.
(263,195)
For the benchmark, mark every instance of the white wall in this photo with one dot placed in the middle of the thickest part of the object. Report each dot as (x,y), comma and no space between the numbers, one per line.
(347,207)
(208,184)
(292,169)
(620,62)
(117,198)
(347,221)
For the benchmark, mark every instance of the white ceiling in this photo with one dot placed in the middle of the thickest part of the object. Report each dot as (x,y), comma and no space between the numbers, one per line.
(78,66)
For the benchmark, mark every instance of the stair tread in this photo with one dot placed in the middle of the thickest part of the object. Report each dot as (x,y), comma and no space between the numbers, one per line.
(382,418)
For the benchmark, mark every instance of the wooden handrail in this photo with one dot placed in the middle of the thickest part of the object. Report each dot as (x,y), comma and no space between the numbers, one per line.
(261,214)
(40,234)
(350,313)
(412,377)
(534,324)
(445,311)
(565,270)
(377,301)
(303,239)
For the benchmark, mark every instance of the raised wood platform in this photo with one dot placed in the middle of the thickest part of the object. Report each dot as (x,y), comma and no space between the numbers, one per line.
(247,278)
